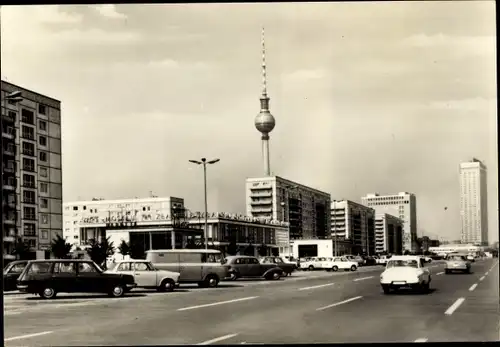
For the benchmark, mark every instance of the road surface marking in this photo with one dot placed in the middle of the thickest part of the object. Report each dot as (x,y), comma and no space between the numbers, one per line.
(472,287)
(20,337)
(482,278)
(486,274)
(362,278)
(422,339)
(225,337)
(217,303)
(439,273)
(318,286)
(453,307)
(338,303)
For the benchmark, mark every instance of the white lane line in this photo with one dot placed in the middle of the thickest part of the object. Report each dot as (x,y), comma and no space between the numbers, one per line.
(217,339)
(472,287)
(486,274)
(363,278)
(482,278)
(20,337)
(439,273)
(453,307)
(217,303)
(338,303)
(422,339)
(318,286)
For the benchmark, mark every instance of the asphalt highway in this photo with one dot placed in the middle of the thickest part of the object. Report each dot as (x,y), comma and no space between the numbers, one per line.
(315,307)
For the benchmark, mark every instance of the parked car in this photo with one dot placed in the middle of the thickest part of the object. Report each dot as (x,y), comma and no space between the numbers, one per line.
(383,259)
(291,260)
(201,266)
(49,277)
(242,266)
(146,275)
(457,262)
(313,263)
(11,273)
(356,258)
(287,268)
(369,260)
(405,272)
(339,263)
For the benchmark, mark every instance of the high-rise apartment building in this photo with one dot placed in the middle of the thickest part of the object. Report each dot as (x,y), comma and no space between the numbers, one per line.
(305,209)
(402,205)
(474,202)
(355,223)
(388,234)
(31,169)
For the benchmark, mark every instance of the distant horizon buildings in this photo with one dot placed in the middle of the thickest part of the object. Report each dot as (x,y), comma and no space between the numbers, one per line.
(402,205)
(388,234)
(473,202)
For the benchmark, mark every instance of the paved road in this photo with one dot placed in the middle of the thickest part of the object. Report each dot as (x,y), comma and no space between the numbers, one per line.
(307,308)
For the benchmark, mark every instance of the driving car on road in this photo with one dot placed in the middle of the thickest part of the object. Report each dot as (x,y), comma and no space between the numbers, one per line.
(243,266)
(11,273)
(146,275)
(287,268)
(339,263)
(357,258)
(49,277)
(457,262)
(383,259)
(405,272)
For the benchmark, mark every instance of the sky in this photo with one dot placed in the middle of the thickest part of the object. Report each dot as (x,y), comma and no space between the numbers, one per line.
(368,97)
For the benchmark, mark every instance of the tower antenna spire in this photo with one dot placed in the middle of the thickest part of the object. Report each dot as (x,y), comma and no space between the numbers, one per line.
(264,76)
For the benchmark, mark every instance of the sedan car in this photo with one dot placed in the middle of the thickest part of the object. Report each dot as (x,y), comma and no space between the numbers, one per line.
(458,263)
(312,263)
(405,272)
(11,273)
(242,266)
(339,263)
(287,268)
(147,276)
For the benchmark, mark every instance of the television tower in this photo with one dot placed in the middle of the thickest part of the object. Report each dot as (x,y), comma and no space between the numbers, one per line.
(264,122)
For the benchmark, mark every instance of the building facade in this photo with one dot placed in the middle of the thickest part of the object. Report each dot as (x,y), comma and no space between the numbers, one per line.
(388,234)
(354,223)
(402,205)
(31,170)
(305,209)
(474,202)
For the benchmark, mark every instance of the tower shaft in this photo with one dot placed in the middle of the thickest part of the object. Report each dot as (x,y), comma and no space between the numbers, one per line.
(265,155)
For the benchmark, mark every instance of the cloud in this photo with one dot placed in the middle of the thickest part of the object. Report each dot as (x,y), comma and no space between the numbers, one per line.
(109,11)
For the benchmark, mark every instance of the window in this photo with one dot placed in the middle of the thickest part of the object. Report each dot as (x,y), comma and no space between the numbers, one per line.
(42,140)
(29,213)
(29,197)
(211,258)
(84,208)
(86,267)
(44,172)
(39,268)
(28,148)
(29,229)
(44,187)
(75,237)
(42,125)
(42,109)
(45,219)
(27,132)
(27,116)
(66,268)
(43,156)
(44,203)
(17,269)
(29,181)
(45,234)
(28,164)
(123,267)
(141,267)
(75,208)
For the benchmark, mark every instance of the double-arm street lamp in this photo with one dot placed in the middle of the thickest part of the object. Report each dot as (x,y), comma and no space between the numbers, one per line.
(204,162)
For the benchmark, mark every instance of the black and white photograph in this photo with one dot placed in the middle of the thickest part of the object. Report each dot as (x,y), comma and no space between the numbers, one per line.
(249,173)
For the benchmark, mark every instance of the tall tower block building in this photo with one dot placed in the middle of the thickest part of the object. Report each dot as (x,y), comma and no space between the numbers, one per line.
(473,202)
(265,122)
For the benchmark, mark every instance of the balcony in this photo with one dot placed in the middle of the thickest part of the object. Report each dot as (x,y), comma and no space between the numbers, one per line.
(10,151)
(9,133)
(10,204)
(9,221)
(10,239)
(9,186)
(265,194)
(8,118)
(261,202)
(9,169)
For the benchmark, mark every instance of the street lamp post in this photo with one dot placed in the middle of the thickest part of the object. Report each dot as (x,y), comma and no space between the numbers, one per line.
(204,162)
(335,225)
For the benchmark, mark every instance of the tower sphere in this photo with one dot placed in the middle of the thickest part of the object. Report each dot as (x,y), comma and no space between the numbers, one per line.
(264,122)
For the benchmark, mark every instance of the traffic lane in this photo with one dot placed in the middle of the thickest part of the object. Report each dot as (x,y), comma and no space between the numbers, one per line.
(477,317)
(144,324)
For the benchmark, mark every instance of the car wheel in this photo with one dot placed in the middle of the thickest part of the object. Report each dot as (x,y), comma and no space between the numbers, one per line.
(285,274)
(335,268)
(426,287)
(353,268)
(386,289)
(117,291)
(48,293)
(211,281)
(167,285)
(311,268)
(233,276)
(447,271)
(275,276)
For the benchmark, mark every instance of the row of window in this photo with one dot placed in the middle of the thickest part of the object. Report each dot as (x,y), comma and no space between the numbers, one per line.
(30,180)
(28,116)
(29,197)
(29,213)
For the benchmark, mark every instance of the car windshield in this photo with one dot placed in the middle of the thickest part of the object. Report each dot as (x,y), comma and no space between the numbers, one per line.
(321,259)
(456,258)
(402,263)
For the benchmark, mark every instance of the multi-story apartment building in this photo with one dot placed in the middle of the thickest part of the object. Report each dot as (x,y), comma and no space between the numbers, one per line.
(474,202)
(304,208)
(31,169)
(402,205)
(355,223)
(388,234)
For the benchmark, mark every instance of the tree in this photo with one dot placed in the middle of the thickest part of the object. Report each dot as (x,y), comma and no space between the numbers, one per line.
(137,250)
(22,249)
(124,249)
(95,252)
(263,250)
(59,248)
